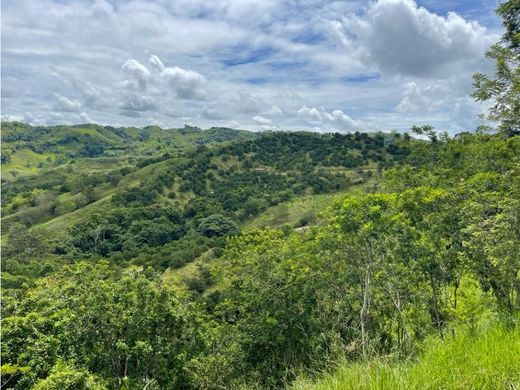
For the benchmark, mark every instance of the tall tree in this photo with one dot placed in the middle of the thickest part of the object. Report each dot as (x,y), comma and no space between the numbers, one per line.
(504,89)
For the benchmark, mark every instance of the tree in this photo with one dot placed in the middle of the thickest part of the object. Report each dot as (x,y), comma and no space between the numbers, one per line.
(85,321)
(427,130)
(66,377)
(504,89)
(217,225)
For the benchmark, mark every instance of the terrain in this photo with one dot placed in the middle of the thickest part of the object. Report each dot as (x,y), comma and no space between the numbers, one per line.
(234,245)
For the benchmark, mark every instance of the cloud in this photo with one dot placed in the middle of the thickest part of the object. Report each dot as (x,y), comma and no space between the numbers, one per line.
(12,118)
(413,99)
(156,63)
(135,104)
(187,84)
(162,61)
(400,37)
(335,31)
(273,111)
(311,114)
(65,104)
(260,120)
(335,118)
(86,118)
(139,73)
(247,103)
(211,113)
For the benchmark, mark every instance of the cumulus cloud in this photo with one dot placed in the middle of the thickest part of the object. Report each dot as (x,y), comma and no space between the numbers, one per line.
(260,120)
(135,104)
(273,111)
(335,31)
(311,114)
(86,118)
(413,99)
(336,118)
(65,104)
(156,63)
(342,120)
(211,113)
(232,124)
(399,36)
(142,62)
(12,118)
(139,73)
(187,84)
(247,103)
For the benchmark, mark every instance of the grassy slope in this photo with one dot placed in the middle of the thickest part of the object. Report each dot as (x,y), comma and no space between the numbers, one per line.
(286,213)
(291,212)
(490,360)
(27,169)
(123,143)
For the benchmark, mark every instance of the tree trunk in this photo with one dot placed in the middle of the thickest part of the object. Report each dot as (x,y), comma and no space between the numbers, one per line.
(436,306)
(366,301)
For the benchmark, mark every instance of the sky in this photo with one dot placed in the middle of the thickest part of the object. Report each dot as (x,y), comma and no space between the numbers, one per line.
(251,64)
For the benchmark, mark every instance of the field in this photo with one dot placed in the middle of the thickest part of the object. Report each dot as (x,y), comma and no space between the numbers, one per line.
(488,359)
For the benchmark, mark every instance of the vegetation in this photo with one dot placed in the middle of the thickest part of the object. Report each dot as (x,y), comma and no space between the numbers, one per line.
(468,361)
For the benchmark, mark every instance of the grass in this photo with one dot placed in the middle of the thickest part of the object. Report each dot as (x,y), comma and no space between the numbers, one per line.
(291,212)
(303,207)
(58,226)
(24,163)
(488,360)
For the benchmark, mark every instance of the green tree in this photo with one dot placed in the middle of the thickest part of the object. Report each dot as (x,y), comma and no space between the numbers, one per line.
(504,89)
(217,225)
(126,329)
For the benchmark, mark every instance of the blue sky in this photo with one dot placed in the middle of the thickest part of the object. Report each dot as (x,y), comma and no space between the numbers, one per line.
(294,64)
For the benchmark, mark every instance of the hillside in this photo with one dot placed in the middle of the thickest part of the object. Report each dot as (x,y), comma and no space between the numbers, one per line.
(251,253)
(82,201)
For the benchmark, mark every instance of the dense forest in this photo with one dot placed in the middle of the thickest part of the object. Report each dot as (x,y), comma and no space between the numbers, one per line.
(223,259)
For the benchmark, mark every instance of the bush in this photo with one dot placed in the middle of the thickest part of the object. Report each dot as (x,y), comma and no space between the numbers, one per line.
(217,225)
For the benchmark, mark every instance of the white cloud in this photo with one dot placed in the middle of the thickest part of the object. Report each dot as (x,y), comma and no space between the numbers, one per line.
(273,111)
(247,103)
(86,118)
(138,72)
(232,124)
(65,104)
(187,84)
(260,120)
(335,30)
(400,37)
(237,60)
(342,120)
(156,63)
(335,118)
(135,104)
(13,118)
(311,114)
(212,113)
(413,99)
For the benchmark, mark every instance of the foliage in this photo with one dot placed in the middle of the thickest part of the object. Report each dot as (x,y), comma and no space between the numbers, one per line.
(425,247)
(504,89)
(130,326)
(469,361)
(217,225)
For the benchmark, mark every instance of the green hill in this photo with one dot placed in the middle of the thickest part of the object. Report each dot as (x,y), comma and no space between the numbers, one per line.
(237,260)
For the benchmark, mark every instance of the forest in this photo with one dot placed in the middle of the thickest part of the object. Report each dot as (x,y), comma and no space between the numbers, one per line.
(150,258)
